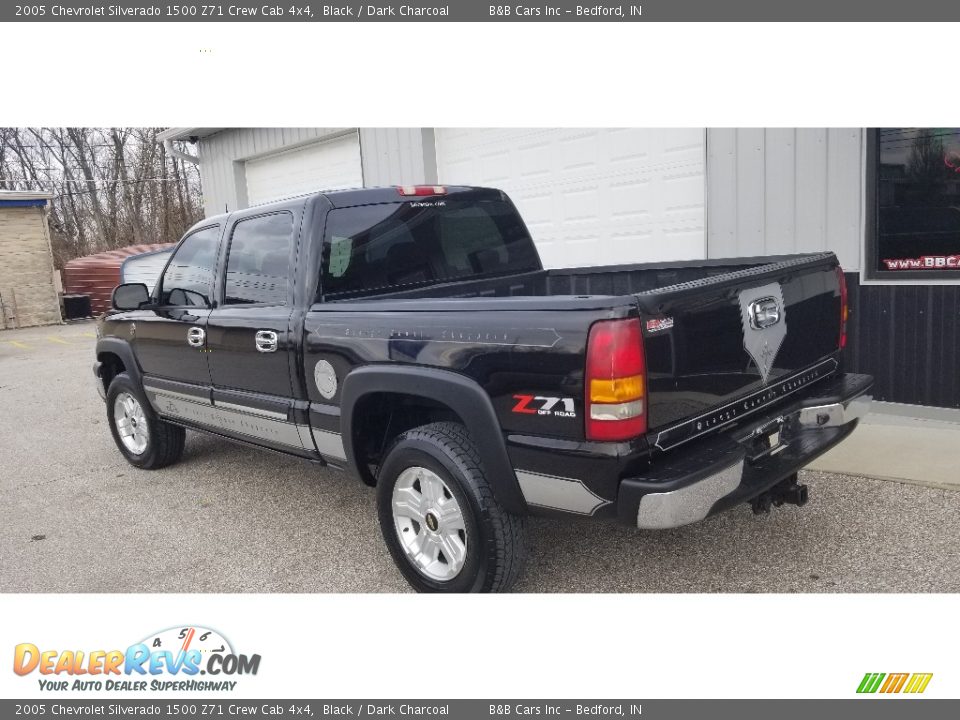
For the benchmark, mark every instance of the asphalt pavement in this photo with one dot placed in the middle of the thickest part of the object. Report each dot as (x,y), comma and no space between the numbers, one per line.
(75,517)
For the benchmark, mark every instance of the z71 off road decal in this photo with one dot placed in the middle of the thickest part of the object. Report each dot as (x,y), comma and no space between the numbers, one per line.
(541,405)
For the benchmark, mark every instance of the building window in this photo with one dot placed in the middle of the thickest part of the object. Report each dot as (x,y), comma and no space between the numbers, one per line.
(914,232)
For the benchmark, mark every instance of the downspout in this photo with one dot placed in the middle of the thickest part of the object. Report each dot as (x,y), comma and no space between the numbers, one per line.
(168,146)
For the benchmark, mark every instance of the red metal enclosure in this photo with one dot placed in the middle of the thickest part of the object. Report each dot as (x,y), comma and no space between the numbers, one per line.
(97,275)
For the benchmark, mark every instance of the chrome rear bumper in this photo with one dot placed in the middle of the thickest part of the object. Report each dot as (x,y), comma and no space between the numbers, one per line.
(834,414)
(685,499)
(690,504)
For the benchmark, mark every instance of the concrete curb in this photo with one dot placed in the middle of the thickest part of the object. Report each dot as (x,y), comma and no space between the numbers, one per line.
(902,443)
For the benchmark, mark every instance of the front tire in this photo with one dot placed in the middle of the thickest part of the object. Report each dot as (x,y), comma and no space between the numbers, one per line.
(146,441)
(439,517)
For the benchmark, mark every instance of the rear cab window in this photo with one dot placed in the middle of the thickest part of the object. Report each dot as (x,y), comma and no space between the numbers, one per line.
(373,249)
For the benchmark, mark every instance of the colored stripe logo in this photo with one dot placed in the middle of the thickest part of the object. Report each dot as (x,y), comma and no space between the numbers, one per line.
(911,683)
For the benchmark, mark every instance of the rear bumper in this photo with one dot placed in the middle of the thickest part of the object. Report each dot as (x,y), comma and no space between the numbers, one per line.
(705,477)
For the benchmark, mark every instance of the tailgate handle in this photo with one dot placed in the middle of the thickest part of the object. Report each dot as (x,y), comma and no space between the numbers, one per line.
(764,312)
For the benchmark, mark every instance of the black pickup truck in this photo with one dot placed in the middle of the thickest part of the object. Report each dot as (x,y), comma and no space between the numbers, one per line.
(412,336)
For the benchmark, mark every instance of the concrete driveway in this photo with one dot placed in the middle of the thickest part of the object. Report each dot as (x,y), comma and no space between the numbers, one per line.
(77,518)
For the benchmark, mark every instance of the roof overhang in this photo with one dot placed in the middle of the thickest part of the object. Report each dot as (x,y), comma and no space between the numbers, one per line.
(185,133)
(24,198)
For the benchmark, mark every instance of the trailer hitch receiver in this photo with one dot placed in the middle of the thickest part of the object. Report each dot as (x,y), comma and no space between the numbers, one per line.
(786,492)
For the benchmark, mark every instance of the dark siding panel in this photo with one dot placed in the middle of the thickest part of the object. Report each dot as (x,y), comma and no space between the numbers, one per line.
(907,337)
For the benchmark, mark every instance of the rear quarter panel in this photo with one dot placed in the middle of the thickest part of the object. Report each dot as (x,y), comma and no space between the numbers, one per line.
(516,356)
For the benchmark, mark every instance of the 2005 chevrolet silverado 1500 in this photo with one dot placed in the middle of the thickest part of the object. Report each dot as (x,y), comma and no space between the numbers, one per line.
(412,336)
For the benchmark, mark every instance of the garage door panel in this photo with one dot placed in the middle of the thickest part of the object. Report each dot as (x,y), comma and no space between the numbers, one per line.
(681,243)
(655,240)
(580,152)
(591,196)
(621,244)
(686,141)
(496,166)
(574,252)
(631,199)
(328,165)
(682,192)
(535,161)
(627,145)
(461,168)
(582,204)
(539,200)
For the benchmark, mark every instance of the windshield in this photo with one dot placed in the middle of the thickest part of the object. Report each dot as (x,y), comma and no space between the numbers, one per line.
(376,247)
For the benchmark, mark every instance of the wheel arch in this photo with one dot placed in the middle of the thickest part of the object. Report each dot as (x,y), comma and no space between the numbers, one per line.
(462,397)
(116,356)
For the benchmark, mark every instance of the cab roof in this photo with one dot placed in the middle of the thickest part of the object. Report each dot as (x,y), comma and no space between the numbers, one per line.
(353,197)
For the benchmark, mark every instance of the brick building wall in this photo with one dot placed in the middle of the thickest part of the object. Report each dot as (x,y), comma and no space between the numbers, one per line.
(27,289)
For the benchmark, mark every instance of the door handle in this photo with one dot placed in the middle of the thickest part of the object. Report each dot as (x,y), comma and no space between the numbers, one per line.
(196,337)
(266,341)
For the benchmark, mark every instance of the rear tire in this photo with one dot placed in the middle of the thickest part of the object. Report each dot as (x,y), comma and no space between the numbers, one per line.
(434,501)
(146,441)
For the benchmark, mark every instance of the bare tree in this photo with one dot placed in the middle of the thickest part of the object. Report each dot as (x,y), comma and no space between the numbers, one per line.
(926,167)
(112,186)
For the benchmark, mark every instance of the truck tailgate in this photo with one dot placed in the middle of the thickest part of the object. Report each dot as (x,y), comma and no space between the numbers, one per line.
(723,347)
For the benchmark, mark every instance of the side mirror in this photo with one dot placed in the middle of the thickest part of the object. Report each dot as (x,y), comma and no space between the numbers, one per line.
(130,296)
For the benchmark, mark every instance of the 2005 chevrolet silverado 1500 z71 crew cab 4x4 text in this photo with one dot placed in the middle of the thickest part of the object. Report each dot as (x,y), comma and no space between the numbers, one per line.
(412,336)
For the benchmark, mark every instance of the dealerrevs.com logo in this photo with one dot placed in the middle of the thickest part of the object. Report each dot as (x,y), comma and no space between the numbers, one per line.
(172,659)
(894,683)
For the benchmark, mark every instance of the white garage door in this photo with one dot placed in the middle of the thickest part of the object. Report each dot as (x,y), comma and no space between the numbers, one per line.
(144,268)
(328,165)
(591,197)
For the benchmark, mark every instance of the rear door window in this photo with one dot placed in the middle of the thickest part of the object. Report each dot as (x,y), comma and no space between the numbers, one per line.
(258,262)
(373,248)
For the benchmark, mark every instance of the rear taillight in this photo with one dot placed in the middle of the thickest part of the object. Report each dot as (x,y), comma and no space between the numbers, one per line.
(412,190)
(844,307)
(615,382)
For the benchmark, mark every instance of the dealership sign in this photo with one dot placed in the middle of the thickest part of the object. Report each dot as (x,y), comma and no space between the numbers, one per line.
(927,262)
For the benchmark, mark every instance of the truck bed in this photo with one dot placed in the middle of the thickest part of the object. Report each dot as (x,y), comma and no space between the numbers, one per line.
(608,280)
(698,363)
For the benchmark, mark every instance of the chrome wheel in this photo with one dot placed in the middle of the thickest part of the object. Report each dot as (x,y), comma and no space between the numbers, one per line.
(429,523)
(131,423)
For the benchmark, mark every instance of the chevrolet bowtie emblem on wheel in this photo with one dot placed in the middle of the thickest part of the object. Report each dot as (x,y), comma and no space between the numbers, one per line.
(764,319)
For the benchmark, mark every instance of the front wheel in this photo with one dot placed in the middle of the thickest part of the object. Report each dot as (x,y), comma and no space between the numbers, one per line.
(439,516)
(145,440)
